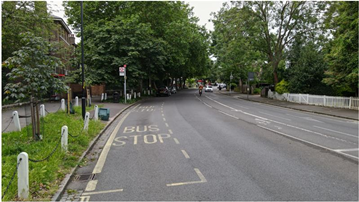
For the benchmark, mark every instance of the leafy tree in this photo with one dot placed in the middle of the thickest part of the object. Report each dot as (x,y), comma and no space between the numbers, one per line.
(343,55)
(31,69)
(157,40)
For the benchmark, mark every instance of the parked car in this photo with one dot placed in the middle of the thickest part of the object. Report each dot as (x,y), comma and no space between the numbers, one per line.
(173,90)
(163,91)
(208,89)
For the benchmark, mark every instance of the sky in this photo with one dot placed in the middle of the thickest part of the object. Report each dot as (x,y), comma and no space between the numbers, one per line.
(201,9)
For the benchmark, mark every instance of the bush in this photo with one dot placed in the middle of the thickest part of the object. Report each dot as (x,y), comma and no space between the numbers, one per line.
(257,91)
(282,87)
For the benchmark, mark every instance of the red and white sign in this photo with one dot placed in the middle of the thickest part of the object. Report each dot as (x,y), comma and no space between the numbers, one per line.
(122,70)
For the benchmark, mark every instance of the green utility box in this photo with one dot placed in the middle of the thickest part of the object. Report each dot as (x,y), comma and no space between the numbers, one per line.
(104,114)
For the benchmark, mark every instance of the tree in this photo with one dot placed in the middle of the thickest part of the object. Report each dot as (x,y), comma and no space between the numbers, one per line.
(31,69)
(343,52)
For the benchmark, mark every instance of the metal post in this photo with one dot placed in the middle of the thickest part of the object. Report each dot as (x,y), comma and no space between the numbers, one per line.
(82,64)
(125,87)
(86,121)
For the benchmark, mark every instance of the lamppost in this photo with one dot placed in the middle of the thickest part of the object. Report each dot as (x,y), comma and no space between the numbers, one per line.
(82,64)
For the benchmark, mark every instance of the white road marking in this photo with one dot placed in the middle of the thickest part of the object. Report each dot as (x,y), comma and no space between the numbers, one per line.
(306,118)
(176,141)
(303,129)
(101,161)
(275,116)
(241,106)
(103,192)
(347,150)
(170,131)
(185,154)
(200,175)
(230,115)
(207,105)
(164,119)
(327,148)
(336,131)
(166,124)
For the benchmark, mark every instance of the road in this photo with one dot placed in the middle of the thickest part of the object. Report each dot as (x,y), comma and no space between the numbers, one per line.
(214,147)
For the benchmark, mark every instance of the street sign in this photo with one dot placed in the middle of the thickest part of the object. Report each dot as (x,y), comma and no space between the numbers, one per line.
(122,70)
(250,76)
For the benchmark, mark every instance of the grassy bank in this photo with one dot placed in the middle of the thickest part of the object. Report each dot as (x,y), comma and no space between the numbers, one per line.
(45,177)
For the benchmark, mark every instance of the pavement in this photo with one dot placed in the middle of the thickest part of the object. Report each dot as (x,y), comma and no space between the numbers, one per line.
(51,106)
(330,111)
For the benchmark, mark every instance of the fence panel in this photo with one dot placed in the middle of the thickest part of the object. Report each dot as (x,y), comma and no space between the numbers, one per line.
(320,100)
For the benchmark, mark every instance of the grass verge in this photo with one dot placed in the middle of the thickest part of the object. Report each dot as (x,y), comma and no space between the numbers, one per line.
(45,177)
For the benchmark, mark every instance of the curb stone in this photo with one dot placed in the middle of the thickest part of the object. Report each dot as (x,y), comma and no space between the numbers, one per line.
(67,178)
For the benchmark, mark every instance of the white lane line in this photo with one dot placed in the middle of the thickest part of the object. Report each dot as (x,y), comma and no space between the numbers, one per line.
(103,192)
(241,106)
(275,116)
(303,129)
(336,131)
(164,119)
(101,161)
(221,103)
(327,148)
(306,118)
(170,131)
(200,175)
(207,105)
(176,141)
(166,124)
(163,115)
(347,150)
(185,154)
(230,115)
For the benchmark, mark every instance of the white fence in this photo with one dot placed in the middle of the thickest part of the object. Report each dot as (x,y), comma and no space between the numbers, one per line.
(321,100)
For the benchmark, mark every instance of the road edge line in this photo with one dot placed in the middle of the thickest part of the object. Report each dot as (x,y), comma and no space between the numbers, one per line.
(67,178)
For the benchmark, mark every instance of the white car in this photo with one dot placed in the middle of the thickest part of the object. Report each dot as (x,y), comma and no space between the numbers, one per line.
(208,89)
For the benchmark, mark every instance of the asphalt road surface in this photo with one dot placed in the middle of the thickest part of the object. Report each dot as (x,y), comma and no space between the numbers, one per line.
(214,147)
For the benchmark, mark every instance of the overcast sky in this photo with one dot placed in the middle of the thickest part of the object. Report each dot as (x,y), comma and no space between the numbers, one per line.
(201,9)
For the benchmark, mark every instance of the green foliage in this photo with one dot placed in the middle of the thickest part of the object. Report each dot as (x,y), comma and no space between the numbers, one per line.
(31,69)
(46,176)
(343,56)
(257,91)
(282,87)
(306,68)
(156,40)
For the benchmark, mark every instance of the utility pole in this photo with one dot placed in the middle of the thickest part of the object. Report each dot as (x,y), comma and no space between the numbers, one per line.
(82,63)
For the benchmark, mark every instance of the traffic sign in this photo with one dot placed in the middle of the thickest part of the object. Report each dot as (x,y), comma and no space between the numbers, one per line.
(122,70)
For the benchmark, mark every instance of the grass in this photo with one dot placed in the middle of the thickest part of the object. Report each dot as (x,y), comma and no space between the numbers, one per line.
(45,177)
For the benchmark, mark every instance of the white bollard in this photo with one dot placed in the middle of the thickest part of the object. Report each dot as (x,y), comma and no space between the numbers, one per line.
(76,101)
(139,94)
(128,97)
(105,96)
(148,92)
(23,176)
(102,96)
(15,116)
(64,137)
(42,110)
(63,104)
(87,120)
(96,113)
(144,92)
(134,95)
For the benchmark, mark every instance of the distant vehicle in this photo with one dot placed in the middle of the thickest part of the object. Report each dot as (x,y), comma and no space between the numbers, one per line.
(163,91)
(222,85)
(208,89)
(173,90)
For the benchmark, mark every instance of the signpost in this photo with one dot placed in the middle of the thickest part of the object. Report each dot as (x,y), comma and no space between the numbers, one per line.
(122,71)
(250,78)
(230,83)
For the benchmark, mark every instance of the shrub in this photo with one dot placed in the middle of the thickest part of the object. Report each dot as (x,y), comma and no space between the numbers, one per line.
(257,91)
(282,87)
